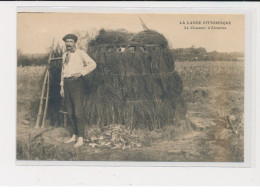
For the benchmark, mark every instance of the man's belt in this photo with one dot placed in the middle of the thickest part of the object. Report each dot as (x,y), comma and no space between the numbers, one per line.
(72,78)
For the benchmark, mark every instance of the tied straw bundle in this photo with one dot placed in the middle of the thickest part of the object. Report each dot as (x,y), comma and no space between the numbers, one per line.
(138,87)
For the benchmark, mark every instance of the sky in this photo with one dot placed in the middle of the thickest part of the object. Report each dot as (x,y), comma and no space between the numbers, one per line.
(36,31)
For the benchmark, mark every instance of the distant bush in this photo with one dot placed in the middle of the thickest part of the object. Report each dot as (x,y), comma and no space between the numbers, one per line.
(201,54)
(31,59)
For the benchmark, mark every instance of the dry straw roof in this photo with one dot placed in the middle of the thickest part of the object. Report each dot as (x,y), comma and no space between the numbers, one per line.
(124,38)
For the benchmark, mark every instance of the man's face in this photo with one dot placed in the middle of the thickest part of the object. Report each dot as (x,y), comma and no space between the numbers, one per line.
(70,44)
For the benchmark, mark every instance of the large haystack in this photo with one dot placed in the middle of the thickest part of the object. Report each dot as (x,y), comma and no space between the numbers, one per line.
(135,83)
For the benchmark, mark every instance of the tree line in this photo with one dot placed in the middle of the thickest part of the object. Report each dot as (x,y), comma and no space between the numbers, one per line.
(201,54)
(179,54)
(31,59)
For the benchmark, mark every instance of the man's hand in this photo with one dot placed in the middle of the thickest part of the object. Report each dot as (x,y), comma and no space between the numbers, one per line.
(76,75)
(62,92)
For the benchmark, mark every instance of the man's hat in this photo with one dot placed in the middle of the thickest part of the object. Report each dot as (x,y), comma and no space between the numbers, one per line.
(70,36)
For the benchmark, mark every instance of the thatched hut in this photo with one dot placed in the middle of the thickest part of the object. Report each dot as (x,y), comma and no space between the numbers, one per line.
(135,83)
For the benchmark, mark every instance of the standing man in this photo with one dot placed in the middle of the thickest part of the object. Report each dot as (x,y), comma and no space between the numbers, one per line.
(75,64)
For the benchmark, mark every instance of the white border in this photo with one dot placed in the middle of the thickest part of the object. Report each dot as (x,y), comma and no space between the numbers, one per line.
(64,175)
(248,74)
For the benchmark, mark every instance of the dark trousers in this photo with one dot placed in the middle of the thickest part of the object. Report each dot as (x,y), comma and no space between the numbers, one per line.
(74,99)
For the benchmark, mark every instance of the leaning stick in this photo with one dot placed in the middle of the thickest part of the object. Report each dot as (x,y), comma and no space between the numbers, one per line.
(41,102)
(47,99)
(43,87)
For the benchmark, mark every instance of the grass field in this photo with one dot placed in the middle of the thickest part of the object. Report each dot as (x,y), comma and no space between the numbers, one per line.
(212,130)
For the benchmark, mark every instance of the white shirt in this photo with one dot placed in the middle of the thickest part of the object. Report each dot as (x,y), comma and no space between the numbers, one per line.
(79,62)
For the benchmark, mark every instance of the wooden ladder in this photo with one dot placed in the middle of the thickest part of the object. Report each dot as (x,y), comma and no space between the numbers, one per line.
(41,117)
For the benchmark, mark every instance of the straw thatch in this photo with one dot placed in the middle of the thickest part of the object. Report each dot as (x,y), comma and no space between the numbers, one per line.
(55,99)
(137,87)
(150,37)
(121,37)
(110,37)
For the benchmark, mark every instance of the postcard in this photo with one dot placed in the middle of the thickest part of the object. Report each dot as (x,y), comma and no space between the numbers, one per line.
(130,87)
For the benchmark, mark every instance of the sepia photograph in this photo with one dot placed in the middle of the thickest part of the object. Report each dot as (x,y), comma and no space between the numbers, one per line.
(130,87)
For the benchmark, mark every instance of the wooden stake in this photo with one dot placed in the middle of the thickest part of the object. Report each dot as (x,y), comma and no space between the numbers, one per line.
(43,90)
(41,101)
(47,99)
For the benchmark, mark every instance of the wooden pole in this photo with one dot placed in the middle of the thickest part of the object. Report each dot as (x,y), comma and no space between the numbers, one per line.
(41,101)
(43,88)
(47,99)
